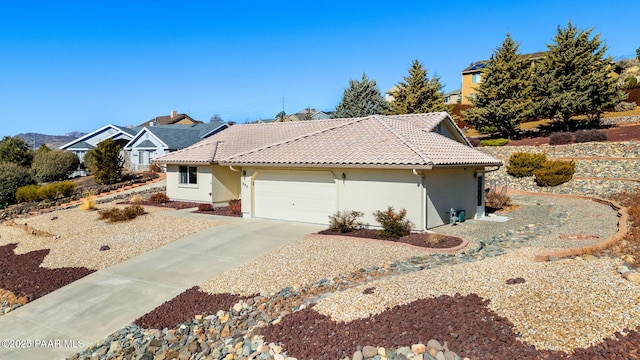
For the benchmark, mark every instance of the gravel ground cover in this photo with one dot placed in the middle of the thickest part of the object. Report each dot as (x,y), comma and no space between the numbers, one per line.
(34,265)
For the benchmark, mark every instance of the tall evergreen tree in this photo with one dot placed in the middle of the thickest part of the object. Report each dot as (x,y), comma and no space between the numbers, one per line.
(417,93)
(15,150)
(503,98)
(106,163)
(361,98)
(573,78)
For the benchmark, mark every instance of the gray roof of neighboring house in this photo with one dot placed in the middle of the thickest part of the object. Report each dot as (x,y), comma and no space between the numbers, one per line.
(398,141)
(80,146)
(181,136)
(146,144)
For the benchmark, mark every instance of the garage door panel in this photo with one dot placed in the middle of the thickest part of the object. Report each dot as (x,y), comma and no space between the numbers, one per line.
(295,195)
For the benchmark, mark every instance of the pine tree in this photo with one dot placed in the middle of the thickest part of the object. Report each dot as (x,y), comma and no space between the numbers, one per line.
(417,93)
(15,150)
(573,78)
(503,98)
(361,98)
(106,162)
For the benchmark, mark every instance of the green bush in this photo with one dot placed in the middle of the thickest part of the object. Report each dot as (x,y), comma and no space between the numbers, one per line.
(27,193)
(106,162)
(55,190)
(494,142)
(53,165)
(345,221)
(554,173)
(12,177)
(522,164)
(117,215)
(394,224)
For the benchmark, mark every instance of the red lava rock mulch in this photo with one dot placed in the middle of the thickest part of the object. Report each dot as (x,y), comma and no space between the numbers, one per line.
(619,133)
(178,205)
(464,322)
(184,307)
(221,211)
(22,274)
(416,239)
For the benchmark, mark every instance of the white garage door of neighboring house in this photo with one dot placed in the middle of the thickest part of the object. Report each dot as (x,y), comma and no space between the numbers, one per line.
(307,196)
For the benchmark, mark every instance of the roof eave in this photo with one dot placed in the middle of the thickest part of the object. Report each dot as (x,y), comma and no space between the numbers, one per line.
(329,165)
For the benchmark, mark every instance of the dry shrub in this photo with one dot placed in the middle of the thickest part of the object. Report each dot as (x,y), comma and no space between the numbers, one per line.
(205,207)
(497,199)
(88,203)
(235,206)
(590,135)
(159,198)
(394,224)
(346,221)
(136,199)
(117,214)
(560,138)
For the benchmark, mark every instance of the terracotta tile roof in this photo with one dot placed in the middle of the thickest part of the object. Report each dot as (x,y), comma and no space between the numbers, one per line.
(374,141)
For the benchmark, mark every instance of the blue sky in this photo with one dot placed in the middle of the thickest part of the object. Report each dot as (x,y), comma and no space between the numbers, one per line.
(79,65)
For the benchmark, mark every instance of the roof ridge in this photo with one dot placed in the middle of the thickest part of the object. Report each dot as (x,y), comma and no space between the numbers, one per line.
(295,138)
(404,140)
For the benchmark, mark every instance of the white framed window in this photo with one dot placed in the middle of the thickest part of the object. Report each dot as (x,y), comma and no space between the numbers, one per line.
(188,175)
(141,157)
(476,78)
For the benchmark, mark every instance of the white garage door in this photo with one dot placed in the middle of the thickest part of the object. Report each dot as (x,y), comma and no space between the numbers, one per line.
(307,196)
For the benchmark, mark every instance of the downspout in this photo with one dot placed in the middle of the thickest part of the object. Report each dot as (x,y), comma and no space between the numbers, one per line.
(423,197)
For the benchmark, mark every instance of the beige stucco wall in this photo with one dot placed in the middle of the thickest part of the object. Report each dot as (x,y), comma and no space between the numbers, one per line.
(371,190)
(365,190)
(200,192)
(225,185)
(449,188)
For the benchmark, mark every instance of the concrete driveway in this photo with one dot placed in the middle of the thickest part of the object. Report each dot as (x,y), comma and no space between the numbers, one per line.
(70,319)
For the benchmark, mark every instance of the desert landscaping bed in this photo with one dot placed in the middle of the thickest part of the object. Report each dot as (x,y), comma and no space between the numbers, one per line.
(75,243)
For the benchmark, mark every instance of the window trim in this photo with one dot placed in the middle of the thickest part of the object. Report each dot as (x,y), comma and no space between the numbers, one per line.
(188,176)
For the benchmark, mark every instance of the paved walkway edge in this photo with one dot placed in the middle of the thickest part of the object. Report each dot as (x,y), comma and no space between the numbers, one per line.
(623,218)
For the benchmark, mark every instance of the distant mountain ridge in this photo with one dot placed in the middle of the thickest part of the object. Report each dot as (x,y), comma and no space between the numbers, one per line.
(52,141)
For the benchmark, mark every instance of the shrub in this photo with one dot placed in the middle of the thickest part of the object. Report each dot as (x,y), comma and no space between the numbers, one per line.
(27,193)
(523,164)
(159,198)
(554,173)
(205,207)
(54,165)
(560,138)
(394,224)
(497,199)
(107,162)
(155,168)
(88,203)
(494,142)
(12,177)
(117,215)
(625,106)
(235,206)
(136,199)
(345,221)
(590,135)
(55,190)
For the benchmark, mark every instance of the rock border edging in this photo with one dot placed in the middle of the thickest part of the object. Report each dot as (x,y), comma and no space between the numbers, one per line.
(622,214)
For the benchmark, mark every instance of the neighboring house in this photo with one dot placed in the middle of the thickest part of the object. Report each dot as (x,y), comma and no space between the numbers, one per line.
(472,76)
(453,97)
(157,140)
(307,170)
(172,119)
(388,96)
(120,134)
(306,114)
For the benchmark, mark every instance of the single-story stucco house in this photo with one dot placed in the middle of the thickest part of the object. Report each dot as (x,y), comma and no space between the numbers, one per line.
(307,170)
